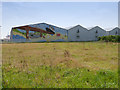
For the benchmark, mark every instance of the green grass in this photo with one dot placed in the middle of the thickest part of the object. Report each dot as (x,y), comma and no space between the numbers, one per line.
(46,76)
(60,65)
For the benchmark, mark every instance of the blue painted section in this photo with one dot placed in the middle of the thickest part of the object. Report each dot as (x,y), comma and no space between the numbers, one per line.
(58,40)
(18,37)
(42,41)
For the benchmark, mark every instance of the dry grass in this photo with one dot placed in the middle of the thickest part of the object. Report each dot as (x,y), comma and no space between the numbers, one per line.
(92,55)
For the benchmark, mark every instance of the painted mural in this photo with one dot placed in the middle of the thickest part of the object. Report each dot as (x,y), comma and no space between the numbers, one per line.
(46,33)
(19,34)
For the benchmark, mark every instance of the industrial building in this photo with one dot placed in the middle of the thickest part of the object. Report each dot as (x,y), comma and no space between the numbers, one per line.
(42,32)
(115,31)
(79,33)
(38,33)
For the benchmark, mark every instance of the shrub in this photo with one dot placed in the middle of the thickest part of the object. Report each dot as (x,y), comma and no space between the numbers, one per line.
(110,38)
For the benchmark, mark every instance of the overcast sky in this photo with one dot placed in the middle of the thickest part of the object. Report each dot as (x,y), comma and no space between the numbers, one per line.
(62,14)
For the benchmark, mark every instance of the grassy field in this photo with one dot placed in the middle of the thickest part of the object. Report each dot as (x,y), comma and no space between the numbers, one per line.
(60,65)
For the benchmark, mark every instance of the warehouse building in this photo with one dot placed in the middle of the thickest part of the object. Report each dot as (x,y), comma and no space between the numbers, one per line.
(96,32)
(38,33)
(115,31)
(78,33)
(42,32)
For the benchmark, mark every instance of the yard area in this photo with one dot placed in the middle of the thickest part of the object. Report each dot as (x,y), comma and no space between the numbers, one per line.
(60,65)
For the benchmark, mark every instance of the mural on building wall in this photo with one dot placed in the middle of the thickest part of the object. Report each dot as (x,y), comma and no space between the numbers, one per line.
(19,34)
(48,33)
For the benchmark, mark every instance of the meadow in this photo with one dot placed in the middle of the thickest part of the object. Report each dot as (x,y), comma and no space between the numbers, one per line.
(60,65)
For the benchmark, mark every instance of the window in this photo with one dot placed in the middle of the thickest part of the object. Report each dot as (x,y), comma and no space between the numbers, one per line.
(78,31)
(78,36)
(116,32)
(96,31)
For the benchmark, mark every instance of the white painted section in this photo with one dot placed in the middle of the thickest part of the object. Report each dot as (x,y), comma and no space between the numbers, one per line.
(78,33)
(115,31)
(85,34)
(96,32)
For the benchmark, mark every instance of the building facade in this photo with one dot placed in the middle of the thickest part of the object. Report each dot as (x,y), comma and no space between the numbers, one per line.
(43,32)
(96,32)
(78,33)
(115,31)
(38,33)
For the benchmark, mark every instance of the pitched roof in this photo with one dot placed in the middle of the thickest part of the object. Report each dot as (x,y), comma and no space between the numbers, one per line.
(97,27)
(50,25)
(78,26)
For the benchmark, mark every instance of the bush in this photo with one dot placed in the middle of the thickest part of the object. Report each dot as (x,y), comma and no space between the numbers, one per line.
(110,38)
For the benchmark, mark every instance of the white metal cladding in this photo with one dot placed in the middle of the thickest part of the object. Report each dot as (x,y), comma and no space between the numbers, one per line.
(85,34)
(78,33)
(115,31)
(96,32)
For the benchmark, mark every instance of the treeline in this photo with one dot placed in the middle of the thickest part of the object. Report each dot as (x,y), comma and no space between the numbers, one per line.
(110,38)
